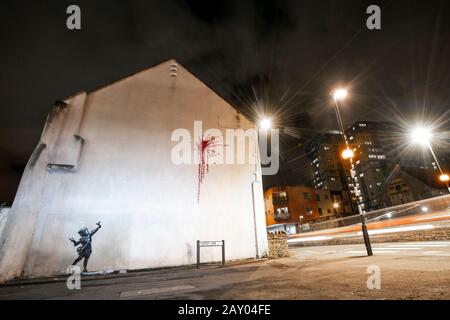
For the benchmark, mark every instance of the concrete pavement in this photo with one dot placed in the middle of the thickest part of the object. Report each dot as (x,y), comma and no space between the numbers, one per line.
(419,270)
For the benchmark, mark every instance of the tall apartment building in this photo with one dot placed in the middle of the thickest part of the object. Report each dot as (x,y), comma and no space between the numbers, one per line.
(372,145)
(387,173)
(386,170)
(329,171)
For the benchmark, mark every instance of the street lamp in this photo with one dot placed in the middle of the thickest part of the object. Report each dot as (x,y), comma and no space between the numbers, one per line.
(423,136)
(340,94)
(265,124)
(348,154)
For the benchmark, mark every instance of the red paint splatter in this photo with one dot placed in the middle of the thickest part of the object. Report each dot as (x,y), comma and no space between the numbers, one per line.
(206,150)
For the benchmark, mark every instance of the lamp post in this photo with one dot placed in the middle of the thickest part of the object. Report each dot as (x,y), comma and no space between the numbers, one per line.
(423,136)
(348,154)
(264,124)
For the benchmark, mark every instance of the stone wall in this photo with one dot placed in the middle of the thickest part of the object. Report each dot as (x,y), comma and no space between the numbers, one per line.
(278,244)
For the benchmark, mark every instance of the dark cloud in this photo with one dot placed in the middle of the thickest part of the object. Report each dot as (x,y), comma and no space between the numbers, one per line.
(288,54)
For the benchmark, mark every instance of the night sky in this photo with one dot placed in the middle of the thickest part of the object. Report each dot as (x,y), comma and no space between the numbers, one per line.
(287,55)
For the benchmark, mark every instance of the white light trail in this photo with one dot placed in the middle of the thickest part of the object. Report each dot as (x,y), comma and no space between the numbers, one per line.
(318,238)
(399,229)
(433,217)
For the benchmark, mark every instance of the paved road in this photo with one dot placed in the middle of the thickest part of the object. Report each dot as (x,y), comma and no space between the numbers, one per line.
(412,249)
(409,223)
(417,270)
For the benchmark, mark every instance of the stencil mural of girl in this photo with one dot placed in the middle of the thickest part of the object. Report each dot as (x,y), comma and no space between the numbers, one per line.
(85,250)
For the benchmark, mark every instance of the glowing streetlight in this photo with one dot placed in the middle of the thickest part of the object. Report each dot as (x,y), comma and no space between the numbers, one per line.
(265,124)
(421,135)
(348,154)
(340,94)
(336,205)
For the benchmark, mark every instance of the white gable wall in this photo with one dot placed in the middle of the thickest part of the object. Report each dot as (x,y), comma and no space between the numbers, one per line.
(125,178)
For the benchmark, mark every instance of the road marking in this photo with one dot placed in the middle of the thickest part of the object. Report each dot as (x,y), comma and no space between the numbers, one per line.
(427,242)
(419,245)
(375,251)
(128,294)
(399,248)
